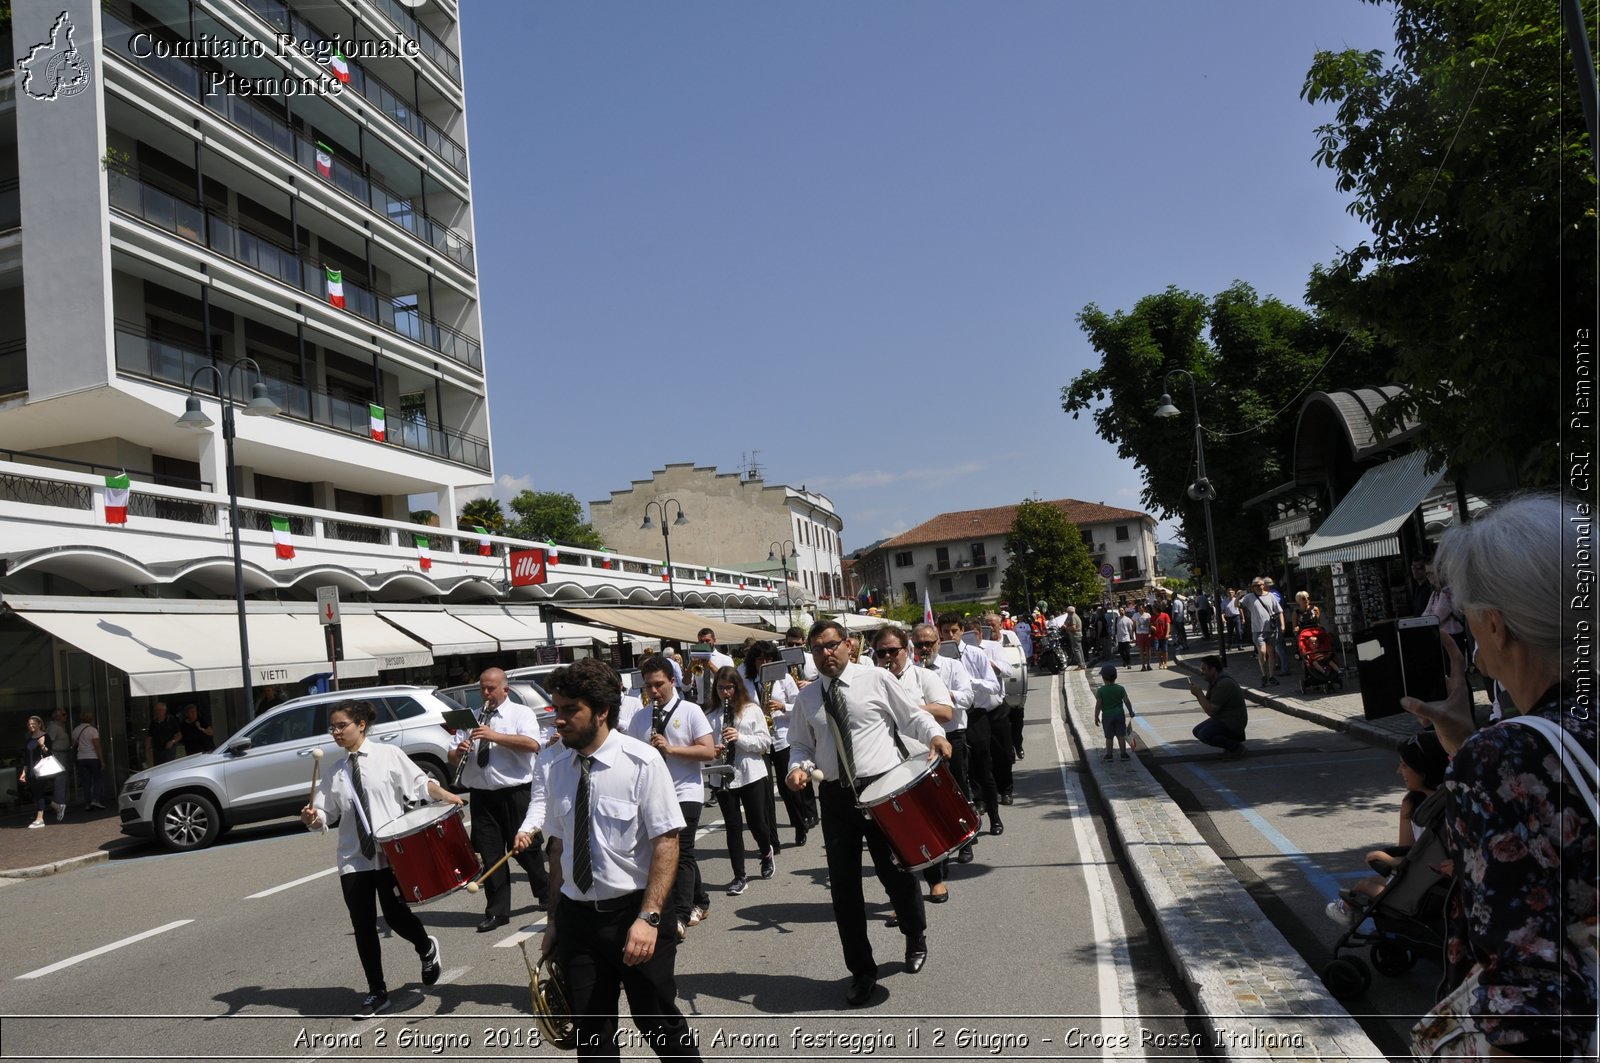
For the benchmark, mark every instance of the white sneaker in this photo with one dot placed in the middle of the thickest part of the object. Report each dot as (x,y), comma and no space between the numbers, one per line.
(697,915)
(36,823)
(1340,913)
(61,813)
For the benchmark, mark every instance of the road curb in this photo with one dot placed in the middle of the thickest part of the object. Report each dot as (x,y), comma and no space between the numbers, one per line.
(1258,996)
(56,867)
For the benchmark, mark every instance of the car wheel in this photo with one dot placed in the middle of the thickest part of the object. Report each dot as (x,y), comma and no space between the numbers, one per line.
(187,821)
(434,770)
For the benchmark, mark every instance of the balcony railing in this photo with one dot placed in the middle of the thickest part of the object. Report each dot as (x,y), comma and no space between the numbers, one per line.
(140,355)
(431,45)
(269,129)
(229,238)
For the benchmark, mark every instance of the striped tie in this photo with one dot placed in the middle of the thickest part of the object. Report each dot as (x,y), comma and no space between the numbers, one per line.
(369,847)
(582,860)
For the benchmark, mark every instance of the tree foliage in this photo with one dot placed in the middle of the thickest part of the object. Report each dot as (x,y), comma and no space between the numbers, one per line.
(552,515)
(1047,560)
(1468,156)
(1251,358)
(483,513)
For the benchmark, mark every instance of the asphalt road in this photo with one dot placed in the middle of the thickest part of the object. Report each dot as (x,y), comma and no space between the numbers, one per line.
(244,951)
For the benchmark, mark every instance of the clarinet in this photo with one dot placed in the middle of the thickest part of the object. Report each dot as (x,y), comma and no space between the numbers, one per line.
(484,714)
(729,753)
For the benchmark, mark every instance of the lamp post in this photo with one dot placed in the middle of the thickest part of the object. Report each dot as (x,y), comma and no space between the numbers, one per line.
(781,553)
(1202,489)
(258,406)
(666,539)
(1027,595)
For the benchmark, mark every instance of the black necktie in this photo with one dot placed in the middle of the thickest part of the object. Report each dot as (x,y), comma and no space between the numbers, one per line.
(489,713)
(833,702)
(582,860)
(369,848)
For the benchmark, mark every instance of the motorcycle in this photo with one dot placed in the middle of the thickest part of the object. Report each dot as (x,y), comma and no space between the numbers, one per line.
(1053,658)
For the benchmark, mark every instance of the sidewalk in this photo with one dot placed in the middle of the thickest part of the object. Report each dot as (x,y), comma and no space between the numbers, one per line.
(82,839)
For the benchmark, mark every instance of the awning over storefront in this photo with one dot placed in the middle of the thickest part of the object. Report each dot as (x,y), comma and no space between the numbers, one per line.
(675,625)
(1365,525)
(443,633)
(510,631)
(388,645)
(185,651)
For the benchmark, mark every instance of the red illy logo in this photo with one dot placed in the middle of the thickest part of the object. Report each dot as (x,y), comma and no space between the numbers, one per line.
(527,568)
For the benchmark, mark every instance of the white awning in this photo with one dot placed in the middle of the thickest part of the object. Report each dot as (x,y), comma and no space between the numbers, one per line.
(442,632)
(388,645)
(1365,525)
(510,632)
(180,652)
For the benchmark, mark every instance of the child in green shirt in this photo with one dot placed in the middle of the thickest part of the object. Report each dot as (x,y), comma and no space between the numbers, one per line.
(1109,702)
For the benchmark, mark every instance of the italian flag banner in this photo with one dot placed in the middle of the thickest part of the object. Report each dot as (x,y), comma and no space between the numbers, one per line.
(741,584)
(708,579)
(324,160)
(485,548)
(552,556)
(665,576)
(424,558)
(340,67)
(336,287)
(117,491)
(281,539)
(605,558)
(375,420)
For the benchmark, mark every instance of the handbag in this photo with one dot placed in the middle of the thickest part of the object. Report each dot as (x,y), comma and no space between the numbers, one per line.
(49,767)
(1450,1030)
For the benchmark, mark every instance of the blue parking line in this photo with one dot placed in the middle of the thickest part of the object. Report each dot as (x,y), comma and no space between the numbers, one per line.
(1325,884)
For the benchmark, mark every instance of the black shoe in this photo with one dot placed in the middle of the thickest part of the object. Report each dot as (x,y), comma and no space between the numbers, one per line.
(965,855)
(799,837)
(1005,798)
(811,822)
(372,1004)
(430,962)
(939,898)
(996,827)
(1019,754)
(493,922)
(892,921)
(861,987)
(916,954)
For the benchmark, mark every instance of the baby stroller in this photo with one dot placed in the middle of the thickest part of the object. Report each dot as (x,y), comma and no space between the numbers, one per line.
(1404,919)
(1316,657)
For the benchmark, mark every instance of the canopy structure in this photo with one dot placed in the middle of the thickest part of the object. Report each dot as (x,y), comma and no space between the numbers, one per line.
(387,644)
(443,633)
(860,622)
(675,625)
(1366,524)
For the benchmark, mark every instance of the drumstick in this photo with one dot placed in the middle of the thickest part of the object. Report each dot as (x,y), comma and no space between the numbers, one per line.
(316,762)
(472,887)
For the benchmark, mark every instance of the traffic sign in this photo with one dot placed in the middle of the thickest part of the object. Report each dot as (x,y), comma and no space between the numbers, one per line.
(1107,571)
(327,605)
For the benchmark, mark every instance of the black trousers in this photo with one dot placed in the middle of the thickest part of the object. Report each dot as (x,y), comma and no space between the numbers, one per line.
(589,945)
(496,815)
(751,799)
(1000,747)
(958,768)
(686,887)
(802,806)
(364,891)
(980,762)
(1016,731)
(843,828)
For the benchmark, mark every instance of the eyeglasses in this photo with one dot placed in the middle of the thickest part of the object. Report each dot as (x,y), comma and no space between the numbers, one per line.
(925,645)
(889,651)
(826,647)
(335,728)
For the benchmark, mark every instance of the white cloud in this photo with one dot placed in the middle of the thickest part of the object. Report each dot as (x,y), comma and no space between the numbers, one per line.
(507,487)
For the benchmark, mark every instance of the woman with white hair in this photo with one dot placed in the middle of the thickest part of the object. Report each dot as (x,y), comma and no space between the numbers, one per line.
(1519,821)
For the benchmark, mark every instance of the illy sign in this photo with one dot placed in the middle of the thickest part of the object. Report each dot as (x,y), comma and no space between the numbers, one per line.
(527,568)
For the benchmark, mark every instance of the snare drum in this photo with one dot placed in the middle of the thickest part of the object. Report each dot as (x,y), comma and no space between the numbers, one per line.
(921,811)
(429,852)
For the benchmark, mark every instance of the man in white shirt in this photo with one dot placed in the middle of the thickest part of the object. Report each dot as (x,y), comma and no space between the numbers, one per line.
(1266,628)
(925,647)
(986,694)
(795,638)
(872,706)
(679,731)
(613,821)
(499,756)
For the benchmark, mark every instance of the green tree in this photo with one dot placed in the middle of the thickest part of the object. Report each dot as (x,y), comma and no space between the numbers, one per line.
(1047,559)
(485,513)
(1469,158)
(1251,359)
(546,515)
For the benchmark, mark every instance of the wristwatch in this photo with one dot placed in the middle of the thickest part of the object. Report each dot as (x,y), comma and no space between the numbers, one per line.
(653,918)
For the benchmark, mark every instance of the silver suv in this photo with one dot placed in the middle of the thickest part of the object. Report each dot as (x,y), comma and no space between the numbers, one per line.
(521,691)
(264,771)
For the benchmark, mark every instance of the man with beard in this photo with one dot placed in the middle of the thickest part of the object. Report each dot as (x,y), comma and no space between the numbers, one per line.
(613,821)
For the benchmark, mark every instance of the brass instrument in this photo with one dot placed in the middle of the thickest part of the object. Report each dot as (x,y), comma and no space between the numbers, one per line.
(769,676)
(552,1010)
(795,658)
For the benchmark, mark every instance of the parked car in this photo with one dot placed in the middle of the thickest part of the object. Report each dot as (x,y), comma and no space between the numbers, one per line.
(523,691)
(264,771)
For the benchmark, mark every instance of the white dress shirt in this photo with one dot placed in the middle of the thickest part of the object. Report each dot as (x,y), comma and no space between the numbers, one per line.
(874,700)
(631,803)
(391,779)
(784,690)
(506,767)
(1124,629)
(927,687)
(630,705)
(986,689)
(537,794)
(687,725)
(749,760)
(997,653)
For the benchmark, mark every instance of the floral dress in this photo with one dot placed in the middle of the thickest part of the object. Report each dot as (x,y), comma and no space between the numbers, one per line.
(1524,850)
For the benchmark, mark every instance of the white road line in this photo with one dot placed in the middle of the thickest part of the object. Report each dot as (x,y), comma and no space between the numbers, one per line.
(1116,981)
(103,949)
(291,885)
(513,940)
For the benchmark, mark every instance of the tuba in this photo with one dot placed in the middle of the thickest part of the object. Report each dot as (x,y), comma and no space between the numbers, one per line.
(552,1011)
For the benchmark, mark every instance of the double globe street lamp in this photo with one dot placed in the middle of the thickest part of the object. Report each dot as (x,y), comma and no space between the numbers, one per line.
(1202,489)
(260,405)
(666,538)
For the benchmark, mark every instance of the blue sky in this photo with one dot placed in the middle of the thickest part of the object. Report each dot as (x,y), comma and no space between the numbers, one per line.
(853,235)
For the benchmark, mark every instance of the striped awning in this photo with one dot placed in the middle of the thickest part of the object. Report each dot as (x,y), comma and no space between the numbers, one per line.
(1366,524)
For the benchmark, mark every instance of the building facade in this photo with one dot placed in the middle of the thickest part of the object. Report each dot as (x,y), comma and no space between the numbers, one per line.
(961,556)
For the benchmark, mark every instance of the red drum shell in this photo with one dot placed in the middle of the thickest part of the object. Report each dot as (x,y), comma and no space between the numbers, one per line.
(921,811)
(429,851)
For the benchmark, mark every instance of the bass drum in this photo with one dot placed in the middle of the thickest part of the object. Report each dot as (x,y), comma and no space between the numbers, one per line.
(429,851)
(921,811)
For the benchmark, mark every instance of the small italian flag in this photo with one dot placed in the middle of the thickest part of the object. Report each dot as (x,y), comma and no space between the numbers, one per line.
(281,540)
(552,556)
(484,546)
(375,419)
(665,576)
(117,491)
(340,66)
(708,579)
(741,584)
(605,558)
(324,160)
(336,287)
(424,558)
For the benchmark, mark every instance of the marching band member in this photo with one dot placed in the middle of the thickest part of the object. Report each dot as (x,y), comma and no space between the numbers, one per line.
(739,725)
(1002,750)
(925,643)
(846,724)
(795,638)
(986,694)
(802,806)
(613,821)
(366,790)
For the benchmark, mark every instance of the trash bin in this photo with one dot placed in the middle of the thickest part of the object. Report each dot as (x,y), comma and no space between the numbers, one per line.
(1395,658)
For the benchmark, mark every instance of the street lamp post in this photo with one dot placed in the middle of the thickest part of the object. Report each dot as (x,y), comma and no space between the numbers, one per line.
(781,553)
(258,406)
(666,539)
(1027,595)
(1202,489)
